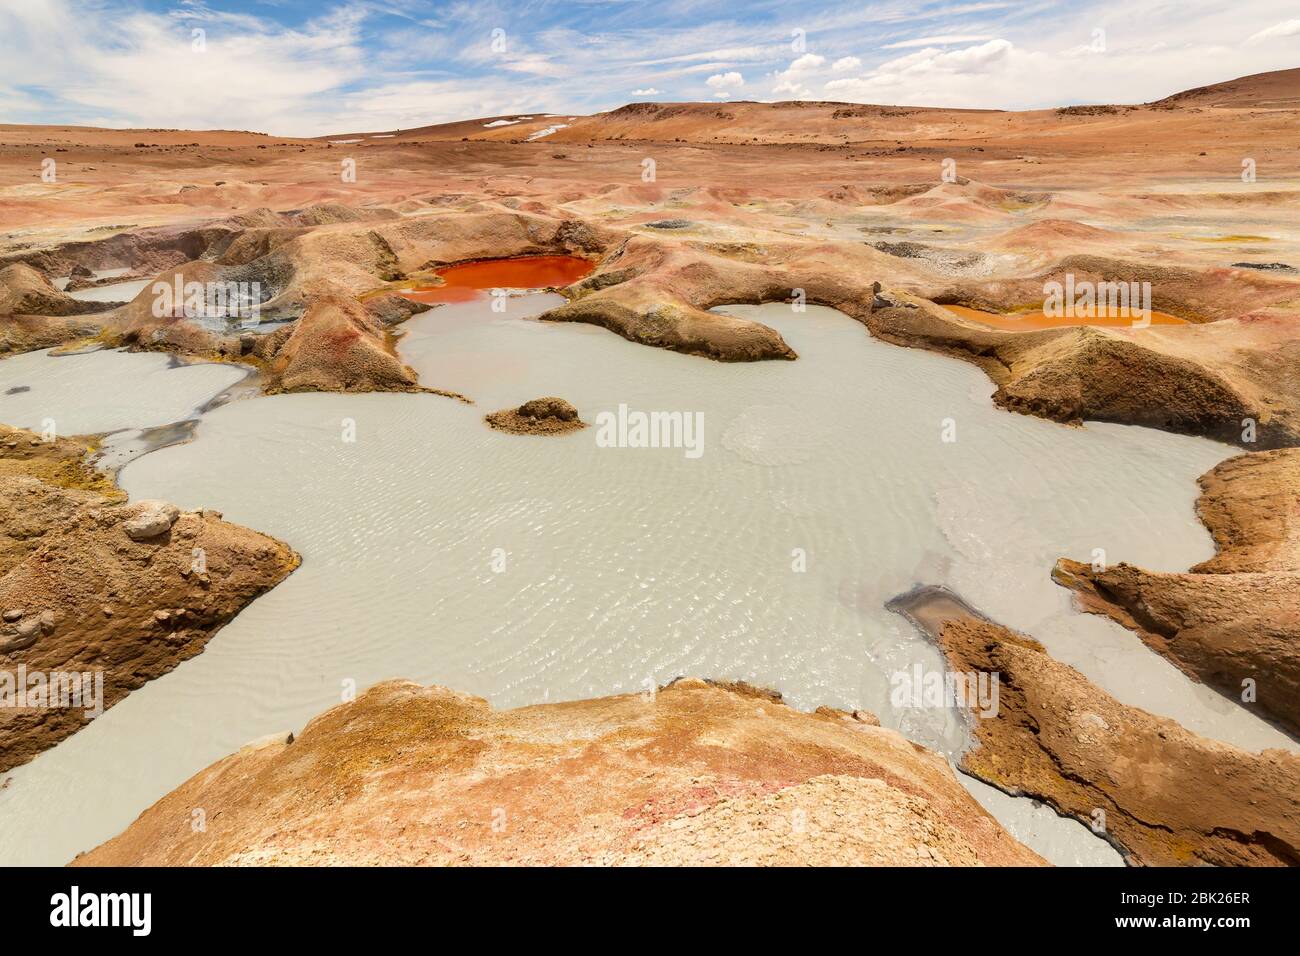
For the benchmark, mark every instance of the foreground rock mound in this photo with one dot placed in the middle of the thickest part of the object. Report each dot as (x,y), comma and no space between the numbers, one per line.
(1232,622)
(693,774)
(541,416)
(104,597)
(1163,795)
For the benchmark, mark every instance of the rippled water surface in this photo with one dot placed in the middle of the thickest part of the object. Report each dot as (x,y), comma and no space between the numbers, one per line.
(528,569)
(106,390)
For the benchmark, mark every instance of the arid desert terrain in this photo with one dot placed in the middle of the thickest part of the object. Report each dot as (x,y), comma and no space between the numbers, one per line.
(372,568)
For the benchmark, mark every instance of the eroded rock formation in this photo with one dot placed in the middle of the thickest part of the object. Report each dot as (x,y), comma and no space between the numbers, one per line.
(1233,380)
(25,291)
(1163,795)
(1229,377)
(337,346)
(696,773)
(90,586)
(1232,622)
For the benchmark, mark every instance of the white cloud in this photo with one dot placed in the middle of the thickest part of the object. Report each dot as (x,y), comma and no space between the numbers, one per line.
(809,61)
(795,90)
(145,70)
(727,53)
(1287,28)
(984,58)
(105,66)
(697,68)
(536,64)
(792,81)
(934,41)
(972,59)
(117,63)
(414,104)
(915,79)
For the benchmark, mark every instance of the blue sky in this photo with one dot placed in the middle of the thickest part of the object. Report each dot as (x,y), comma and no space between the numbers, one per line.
(306,68)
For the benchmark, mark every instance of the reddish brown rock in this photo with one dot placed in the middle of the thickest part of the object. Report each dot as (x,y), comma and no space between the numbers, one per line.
(540,416)
(337,346)
(24,290)
(91,586)
(694,774)
(1162,795)
(1232,622)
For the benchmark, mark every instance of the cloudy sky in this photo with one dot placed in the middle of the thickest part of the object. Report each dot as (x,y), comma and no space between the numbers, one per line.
(308,67)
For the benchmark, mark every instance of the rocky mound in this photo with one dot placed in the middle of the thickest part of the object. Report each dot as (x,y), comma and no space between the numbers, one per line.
(332,212)
(389,308)
(1195,294)
(676,326)
(24,291)
(146,251)
(26,333)
(62,462)
(46,484)
(541,416)
(1208,380)
(658,290)
(356,258)
(337,346)
(89,586)
(1162,795)
(1232,622)
(695,773)
(1198,379)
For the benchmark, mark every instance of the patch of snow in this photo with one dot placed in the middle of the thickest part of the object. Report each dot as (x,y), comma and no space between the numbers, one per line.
(548,131)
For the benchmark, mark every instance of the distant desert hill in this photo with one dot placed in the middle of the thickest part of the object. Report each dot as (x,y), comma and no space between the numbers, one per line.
(797,121)
(879,129)
(21,134)
(814,122)
(511,126)
(746,121)
(1279,89)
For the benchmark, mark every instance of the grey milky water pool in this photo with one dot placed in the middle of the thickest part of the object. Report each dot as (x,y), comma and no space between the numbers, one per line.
(527,569)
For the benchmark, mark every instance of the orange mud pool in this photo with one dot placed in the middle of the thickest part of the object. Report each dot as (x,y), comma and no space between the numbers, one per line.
(467,281)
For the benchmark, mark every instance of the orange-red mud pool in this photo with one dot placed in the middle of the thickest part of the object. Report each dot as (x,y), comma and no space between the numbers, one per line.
(467,281)
(1030,321)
